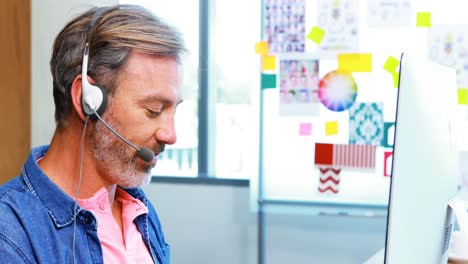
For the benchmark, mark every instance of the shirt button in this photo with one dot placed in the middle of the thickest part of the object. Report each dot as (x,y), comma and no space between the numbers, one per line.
(102,206)
(88,220)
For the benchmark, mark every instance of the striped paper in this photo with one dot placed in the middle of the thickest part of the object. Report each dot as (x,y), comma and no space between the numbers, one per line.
(345,155)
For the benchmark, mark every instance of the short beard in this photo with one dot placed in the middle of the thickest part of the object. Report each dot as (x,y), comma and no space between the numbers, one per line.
(115,158)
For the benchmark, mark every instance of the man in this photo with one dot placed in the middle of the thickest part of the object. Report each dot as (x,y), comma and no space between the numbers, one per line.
(77,200)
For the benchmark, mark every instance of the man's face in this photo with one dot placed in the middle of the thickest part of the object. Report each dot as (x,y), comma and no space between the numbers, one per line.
(142,110)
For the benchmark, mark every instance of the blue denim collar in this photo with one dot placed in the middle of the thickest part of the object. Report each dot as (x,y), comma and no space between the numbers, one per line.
(61,206)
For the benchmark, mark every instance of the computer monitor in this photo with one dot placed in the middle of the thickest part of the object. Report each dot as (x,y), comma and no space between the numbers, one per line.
(424,169)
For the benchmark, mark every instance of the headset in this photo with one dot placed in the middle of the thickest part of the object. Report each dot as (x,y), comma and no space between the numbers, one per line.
(94,97)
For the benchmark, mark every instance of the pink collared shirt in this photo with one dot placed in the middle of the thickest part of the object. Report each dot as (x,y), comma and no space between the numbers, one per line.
(117,246)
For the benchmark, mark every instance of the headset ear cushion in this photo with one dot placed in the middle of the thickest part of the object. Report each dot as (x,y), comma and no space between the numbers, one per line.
(103,105)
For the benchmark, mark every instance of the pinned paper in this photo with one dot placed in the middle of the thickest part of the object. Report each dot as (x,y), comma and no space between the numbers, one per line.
(345,155)
(423,19)
(316,35)
(396,79)
(331,128)
(391,64)
(388,161)
(323,154)
(329,181)
(389,13)
(284,26)
(262,48)
(268,63)
(355,62)
(340,22)
(354,156)
(447,45)
(305,129)
(268,81)
(338,90)
(366,123)
(388,134)
(463,96)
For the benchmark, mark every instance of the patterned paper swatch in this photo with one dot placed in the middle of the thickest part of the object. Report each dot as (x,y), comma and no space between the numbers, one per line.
(345,156)
(329,181)
(366,123)
(337,91)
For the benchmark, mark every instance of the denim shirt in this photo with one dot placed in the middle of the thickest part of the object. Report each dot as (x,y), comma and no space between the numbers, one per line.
(36,222)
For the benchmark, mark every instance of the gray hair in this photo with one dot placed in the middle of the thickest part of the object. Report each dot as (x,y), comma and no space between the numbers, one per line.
(118,30)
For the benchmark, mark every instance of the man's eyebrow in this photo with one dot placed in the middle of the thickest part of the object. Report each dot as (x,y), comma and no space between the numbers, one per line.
(157,98)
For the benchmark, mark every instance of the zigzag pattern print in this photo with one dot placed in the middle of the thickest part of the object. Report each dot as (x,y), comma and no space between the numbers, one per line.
(329,181)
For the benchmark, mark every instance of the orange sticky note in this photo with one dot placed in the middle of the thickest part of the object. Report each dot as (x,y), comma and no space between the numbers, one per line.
(262,48)
(268,63)
(391,64)
(423,19)
(396,79)
(331,128)
(316,35)
(355,62)
(463,96)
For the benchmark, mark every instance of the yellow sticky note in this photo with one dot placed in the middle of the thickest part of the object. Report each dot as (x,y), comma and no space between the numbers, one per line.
(316,35)
(423,19)
(396,79)
(268,63)
(391,64)
(331,128)
(463,96)
(355,62)
(262,48)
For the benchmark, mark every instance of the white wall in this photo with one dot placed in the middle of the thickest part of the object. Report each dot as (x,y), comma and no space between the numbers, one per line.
(47,18)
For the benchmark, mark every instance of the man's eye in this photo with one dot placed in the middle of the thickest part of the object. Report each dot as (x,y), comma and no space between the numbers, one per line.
(152,113)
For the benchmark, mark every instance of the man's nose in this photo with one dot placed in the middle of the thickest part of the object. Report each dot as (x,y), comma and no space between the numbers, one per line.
(165,133)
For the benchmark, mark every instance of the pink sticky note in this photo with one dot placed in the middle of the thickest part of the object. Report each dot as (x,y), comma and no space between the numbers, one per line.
(305,129)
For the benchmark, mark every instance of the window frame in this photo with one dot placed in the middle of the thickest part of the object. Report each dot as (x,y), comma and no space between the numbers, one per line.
(206,112)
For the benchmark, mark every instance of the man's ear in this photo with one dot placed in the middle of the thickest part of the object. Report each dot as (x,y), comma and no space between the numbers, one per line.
(76,97)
